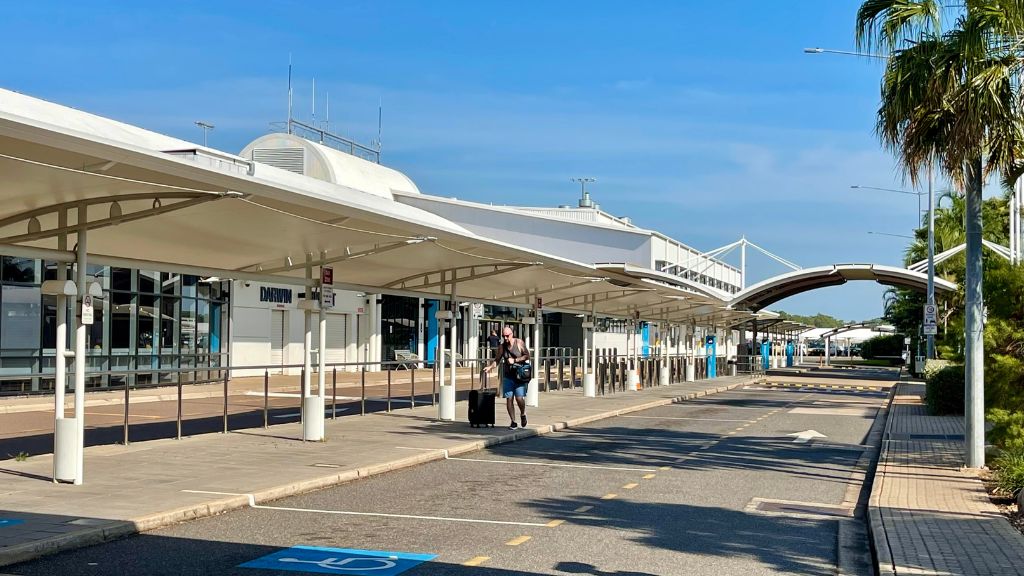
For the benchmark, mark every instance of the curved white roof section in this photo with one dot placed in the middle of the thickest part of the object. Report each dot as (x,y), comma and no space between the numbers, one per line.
(330,165)
(783,286)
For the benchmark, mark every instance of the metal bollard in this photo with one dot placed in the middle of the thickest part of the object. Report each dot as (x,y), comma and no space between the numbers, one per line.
(225,401)
(266,397)
(334,393)
(389,388)
(362,409)
(126,388)
(302,391)
(412,392)
(179,406)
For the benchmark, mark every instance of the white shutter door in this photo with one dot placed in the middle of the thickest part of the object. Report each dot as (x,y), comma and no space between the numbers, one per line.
(336,324)
(277,337)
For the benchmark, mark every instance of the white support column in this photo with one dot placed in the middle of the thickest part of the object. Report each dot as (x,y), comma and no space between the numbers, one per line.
(80,354)
(828,350)
(60,382)
(632,374)
(312,406)
(444,410)
(446,400)
(589,360)
(532,391)
(454,345)
(321,355)
(421,322)
(691,368)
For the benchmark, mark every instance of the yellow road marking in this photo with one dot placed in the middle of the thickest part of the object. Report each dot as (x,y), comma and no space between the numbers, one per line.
(664,468)
(476,561)
(630,486)
(608,496)
(554,523)
(649,476)
(518,541)
(583,509)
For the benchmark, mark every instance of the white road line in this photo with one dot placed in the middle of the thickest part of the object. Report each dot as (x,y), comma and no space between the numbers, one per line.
(682,418)
(611,437)
(252,504)
(522,463)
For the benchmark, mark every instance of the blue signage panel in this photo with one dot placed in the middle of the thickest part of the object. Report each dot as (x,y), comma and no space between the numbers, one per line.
(339,561)
(711,351)
(10,522)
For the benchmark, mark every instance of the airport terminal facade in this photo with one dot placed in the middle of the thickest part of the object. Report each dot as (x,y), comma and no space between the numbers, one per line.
(159,327)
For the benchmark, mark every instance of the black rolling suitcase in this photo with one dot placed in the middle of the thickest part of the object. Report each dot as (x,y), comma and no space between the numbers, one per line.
(481,405)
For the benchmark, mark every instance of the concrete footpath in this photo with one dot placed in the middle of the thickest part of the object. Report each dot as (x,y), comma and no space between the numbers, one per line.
(927,515)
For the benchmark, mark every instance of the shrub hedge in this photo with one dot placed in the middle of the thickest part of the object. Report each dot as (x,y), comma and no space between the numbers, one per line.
(1009,468)
(944,391)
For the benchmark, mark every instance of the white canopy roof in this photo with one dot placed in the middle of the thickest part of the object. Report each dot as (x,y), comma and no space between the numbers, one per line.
(155,202)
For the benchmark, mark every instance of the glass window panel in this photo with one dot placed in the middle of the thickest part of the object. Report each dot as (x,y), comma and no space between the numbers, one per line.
(94,340)
(121,279)
(100,274)
(188,285)
(203,326)
(147,310)
(148,281)
(49,322)
(21,318)
(168,324)
(170,283)
(24,270)
(188,325)
(120,321)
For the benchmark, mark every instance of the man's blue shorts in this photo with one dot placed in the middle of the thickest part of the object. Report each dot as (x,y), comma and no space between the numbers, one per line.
(510,388)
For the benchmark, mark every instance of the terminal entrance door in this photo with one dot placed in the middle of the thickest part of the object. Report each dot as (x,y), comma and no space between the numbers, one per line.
(277,339)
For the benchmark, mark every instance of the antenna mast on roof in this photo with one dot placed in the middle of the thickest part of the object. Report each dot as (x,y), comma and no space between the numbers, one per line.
(380,120)
(584,195)
(289,93)
(314,101)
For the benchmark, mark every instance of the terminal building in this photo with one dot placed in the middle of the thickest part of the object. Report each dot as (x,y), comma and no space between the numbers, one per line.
(159,326)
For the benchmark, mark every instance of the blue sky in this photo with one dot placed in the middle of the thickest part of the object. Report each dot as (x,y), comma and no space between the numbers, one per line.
(703,120)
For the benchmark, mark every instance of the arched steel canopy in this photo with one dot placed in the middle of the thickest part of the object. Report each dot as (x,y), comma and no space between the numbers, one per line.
(847,328)
(783,286)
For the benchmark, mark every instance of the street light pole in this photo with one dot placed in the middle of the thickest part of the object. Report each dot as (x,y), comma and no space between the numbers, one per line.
(206,129)
(846,52)
(930,351)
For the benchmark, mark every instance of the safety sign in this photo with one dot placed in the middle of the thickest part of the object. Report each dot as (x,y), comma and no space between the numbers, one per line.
(10,522)
(339,561)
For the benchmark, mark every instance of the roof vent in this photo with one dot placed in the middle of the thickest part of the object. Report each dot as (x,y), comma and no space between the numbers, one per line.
(564,206)
(585,201)
(596,206)
(626,220)
(291,159)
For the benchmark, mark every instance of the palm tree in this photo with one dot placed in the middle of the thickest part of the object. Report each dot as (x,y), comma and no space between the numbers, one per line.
(950,95)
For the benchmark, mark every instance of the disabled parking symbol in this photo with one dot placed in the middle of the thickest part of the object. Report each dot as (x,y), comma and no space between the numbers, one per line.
(351,562)
(10,522)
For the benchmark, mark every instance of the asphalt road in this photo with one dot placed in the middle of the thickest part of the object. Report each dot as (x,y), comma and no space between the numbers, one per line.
(721,485)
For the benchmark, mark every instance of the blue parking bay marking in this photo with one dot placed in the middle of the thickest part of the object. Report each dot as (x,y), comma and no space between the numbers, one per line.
(339,561)
(10,522)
